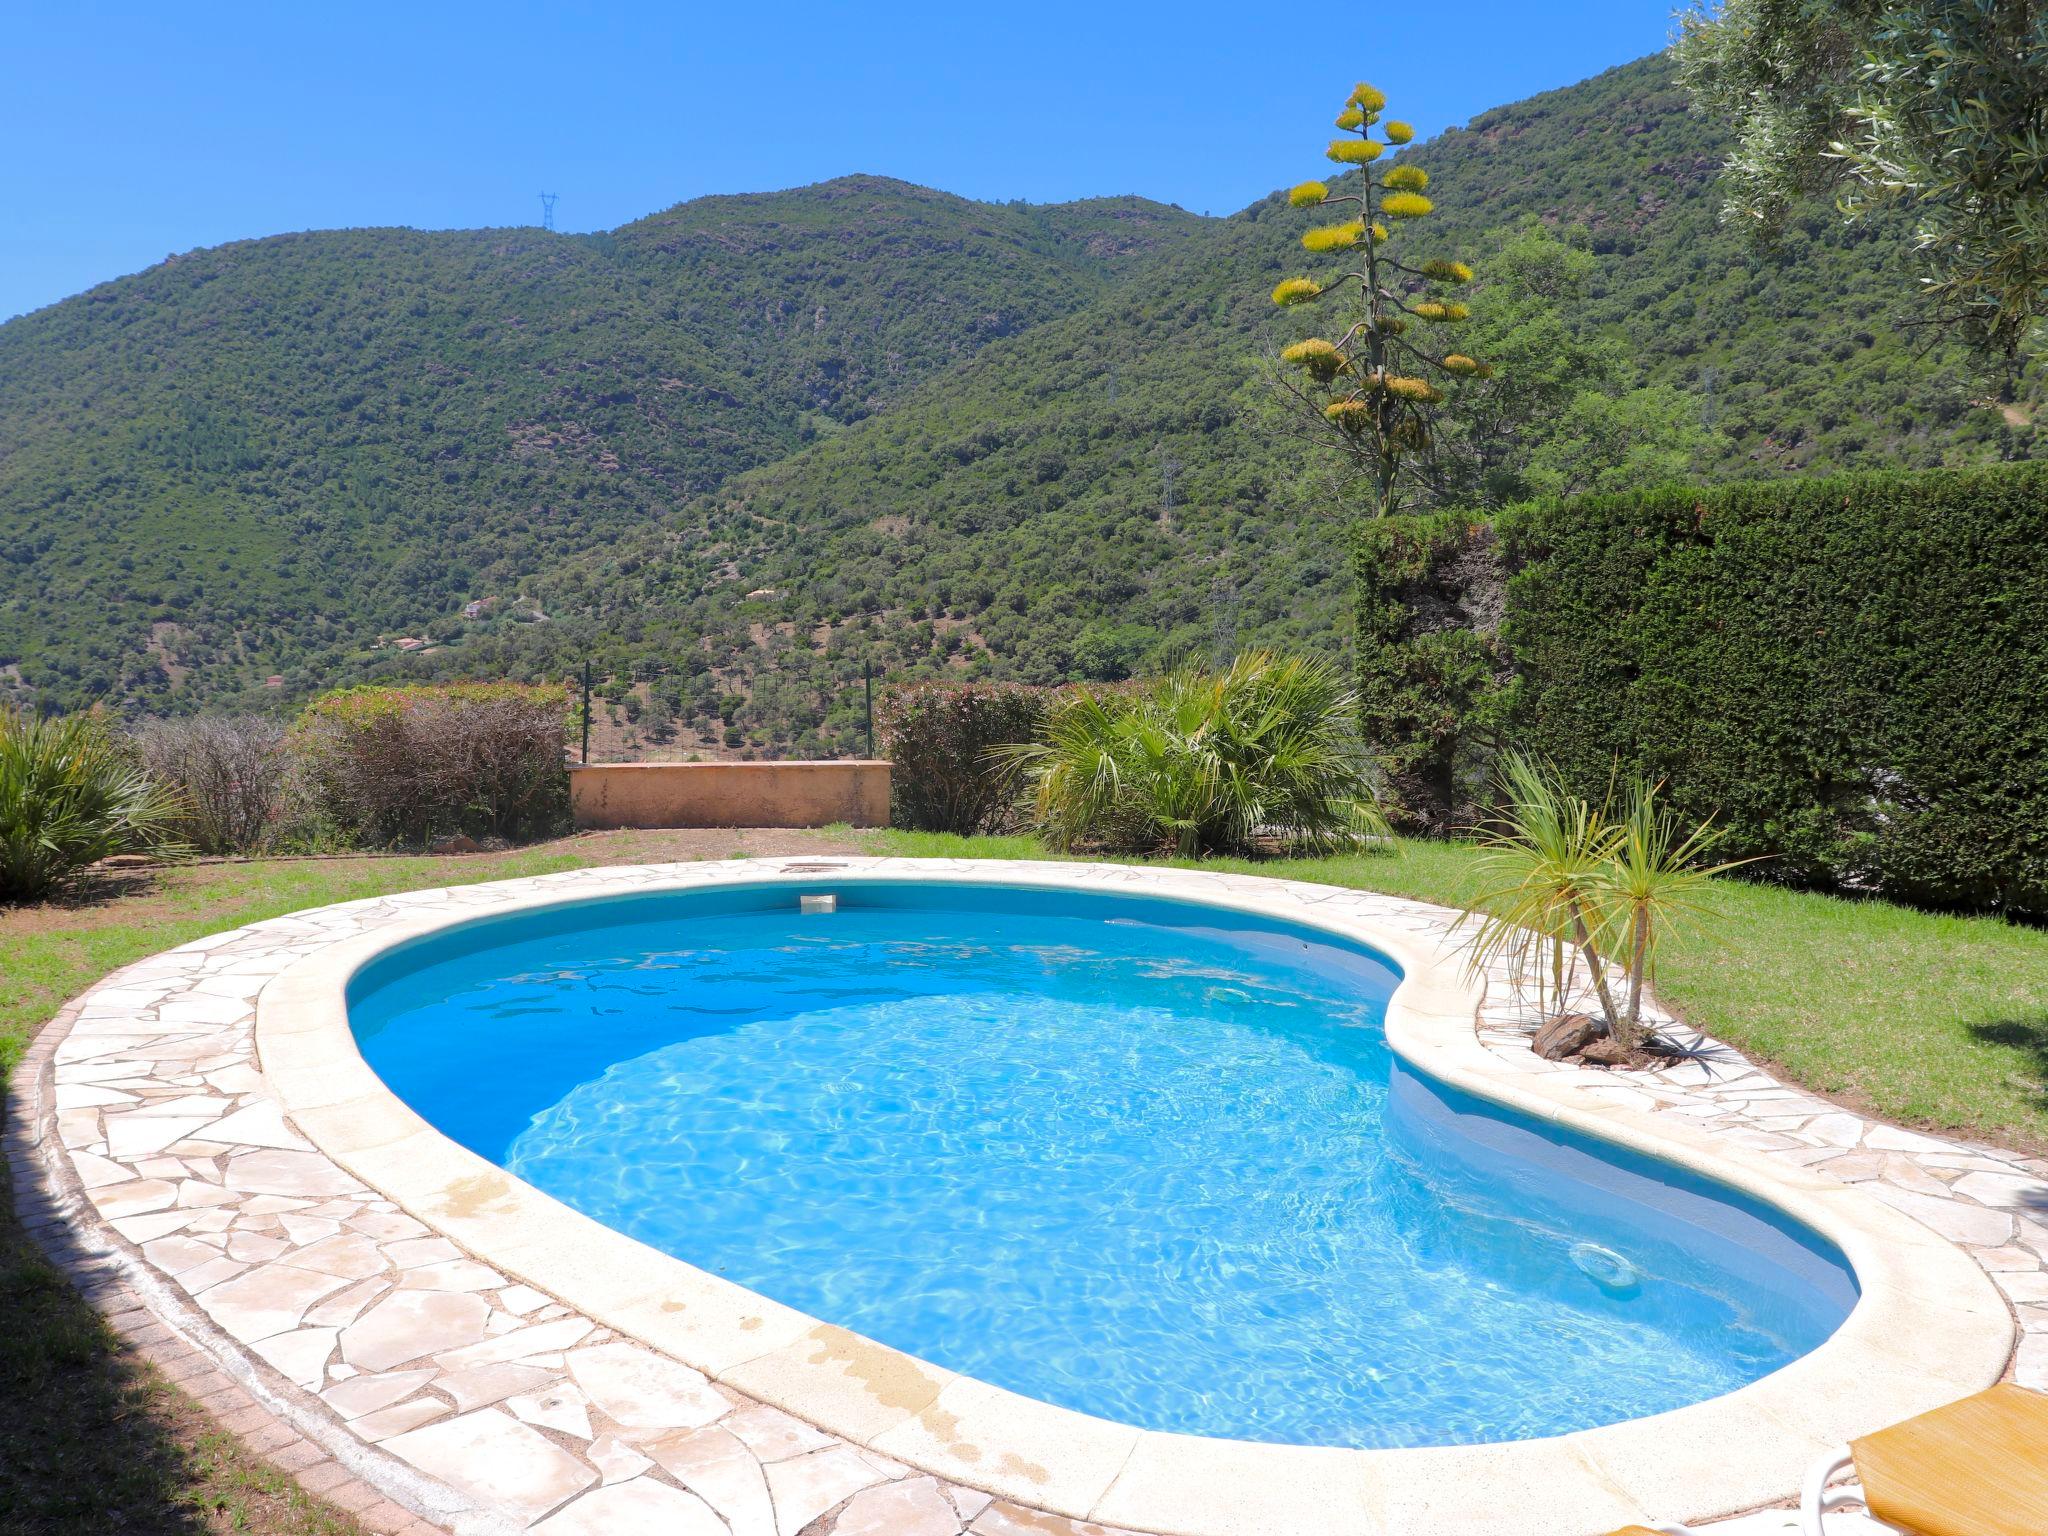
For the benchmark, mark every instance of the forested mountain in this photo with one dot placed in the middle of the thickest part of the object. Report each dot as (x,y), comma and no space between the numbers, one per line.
(753,442)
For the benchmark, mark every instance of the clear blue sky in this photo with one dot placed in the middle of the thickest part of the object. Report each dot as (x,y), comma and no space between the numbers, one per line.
(133,131)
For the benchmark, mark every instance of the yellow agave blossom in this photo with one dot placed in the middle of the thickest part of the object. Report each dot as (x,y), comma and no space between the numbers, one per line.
(1407,178)
(1405,205)
(1351,416)
(1379,231)
(1367,99)
(1398,132)
(1407,388)
(1354,151)
(1387,325)
(1334,237)
(1458,362)
(1350,118)
(1317,356)
(1437,309)
(1308,194)
(1409,432)
(1447,271)
(1296,290)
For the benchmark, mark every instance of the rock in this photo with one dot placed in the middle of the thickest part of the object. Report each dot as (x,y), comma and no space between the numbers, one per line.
(456,844)
(1607,1051)
(1566,1035)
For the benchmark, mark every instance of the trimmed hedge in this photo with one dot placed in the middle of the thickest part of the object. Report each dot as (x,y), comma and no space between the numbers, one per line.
(938,737)
(1850,673)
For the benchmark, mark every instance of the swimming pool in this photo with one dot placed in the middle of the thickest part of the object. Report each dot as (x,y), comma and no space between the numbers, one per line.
(1145,1158)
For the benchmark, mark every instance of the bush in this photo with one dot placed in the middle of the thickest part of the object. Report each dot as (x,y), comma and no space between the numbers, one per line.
(1199,762)
(1845,672)
(388,766)
(230,771)
(71,795)
(939,737)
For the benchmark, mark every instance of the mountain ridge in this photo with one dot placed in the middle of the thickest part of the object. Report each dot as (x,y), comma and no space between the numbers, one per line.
(980,438)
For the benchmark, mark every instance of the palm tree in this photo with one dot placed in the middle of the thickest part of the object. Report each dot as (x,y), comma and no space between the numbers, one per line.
(1197,761)
(1653,877)
(1545,867)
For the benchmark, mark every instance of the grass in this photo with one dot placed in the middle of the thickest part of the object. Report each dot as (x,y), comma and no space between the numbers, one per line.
(1932,1020)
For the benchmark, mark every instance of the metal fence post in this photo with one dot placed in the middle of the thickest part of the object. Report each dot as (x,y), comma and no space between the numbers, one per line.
(585,758)
(867,672)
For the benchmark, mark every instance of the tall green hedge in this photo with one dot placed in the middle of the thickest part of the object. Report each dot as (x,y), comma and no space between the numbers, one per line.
(1851,673)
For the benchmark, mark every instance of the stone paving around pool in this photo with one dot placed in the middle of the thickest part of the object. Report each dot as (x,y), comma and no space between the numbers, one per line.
(383,1365)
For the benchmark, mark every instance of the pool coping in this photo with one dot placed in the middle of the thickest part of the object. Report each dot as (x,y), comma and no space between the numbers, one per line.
(1929,1327)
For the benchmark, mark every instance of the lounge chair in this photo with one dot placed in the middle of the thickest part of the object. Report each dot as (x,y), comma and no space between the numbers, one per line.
(1977,1467)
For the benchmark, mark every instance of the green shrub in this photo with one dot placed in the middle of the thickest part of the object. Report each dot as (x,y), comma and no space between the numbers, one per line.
(1847,673)
(71,795)
(399,766)
(1197,762)
(939,738)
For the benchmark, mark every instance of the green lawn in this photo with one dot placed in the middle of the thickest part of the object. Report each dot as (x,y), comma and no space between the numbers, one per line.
(1932,1020)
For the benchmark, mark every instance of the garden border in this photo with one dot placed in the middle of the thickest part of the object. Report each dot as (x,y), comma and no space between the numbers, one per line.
(1931,1324)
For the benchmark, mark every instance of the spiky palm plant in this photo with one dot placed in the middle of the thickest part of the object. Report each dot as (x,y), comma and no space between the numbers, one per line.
(69,797)
(1653,878)
(1198,762)
(1545,866)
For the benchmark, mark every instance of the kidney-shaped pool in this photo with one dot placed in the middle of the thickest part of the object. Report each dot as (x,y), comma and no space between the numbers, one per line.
(1148,1159)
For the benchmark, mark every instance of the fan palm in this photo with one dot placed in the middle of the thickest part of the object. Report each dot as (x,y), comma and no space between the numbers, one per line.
(1197,761)
(69,797)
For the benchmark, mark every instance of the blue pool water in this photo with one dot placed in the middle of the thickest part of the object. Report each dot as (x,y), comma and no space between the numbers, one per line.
(1147,1159)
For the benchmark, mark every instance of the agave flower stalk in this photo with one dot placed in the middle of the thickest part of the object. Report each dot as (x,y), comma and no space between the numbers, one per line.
(1376,385)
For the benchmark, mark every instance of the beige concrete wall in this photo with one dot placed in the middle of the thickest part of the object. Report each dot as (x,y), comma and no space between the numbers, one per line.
(730,794)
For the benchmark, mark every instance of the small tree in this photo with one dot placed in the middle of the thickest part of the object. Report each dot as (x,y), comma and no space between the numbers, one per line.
(1376,385)
(1941,102)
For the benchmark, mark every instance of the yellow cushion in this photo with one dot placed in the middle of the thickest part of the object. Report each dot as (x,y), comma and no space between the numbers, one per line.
(1978,1467)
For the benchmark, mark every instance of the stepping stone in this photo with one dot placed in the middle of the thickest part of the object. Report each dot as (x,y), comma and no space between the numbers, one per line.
(617,1460)
(559,1407)
(493,1383)
(717,1467)
(642,1391)
(505,1465)
(912,1508)
(641,1507)
(772,1434)
(407,1325)
(286,1173)
(265,1301)
(300,1356)
(805,1488)
(366,1394)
